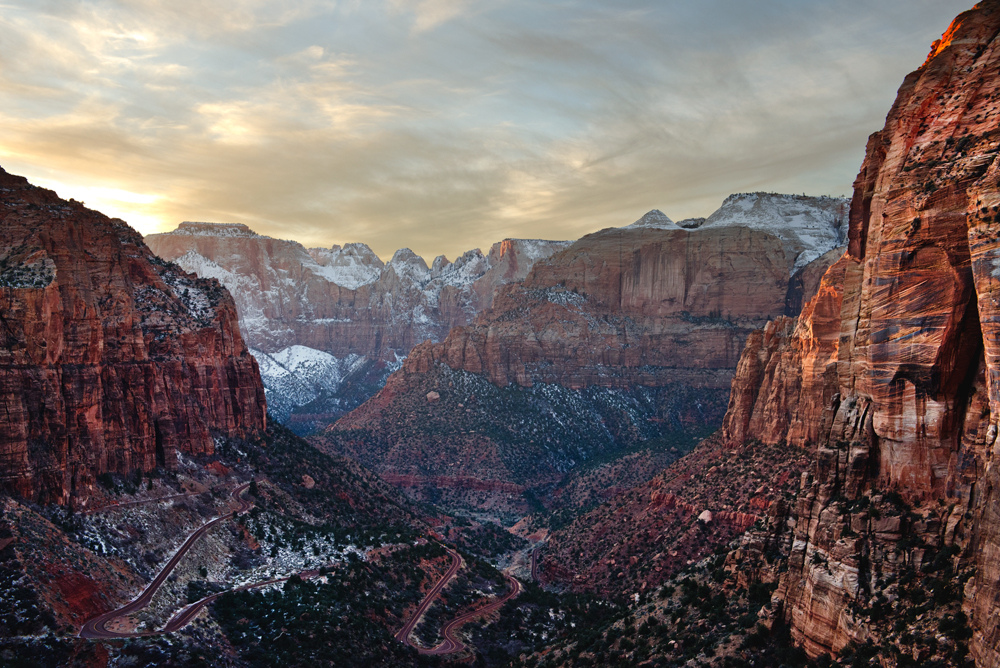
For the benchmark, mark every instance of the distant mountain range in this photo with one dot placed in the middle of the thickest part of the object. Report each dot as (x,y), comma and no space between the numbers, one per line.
(328,325)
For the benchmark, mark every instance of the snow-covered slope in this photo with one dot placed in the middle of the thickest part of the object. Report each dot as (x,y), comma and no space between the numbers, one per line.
(301,376)
(350,266)
(808,226)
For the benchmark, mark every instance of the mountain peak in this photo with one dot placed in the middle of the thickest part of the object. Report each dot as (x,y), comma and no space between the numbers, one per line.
(655,219)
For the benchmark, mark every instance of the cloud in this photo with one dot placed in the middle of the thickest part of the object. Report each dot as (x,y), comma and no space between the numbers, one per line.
(444,126)
(428,14)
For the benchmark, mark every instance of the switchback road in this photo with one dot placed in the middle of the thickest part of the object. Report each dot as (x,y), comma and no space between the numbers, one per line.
(96,628)
(403,634)
(451,643)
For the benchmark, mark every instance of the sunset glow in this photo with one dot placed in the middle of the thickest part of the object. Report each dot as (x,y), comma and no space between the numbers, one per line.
(444,125)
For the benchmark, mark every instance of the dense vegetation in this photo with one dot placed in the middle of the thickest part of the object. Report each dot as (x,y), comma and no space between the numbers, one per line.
(344,618)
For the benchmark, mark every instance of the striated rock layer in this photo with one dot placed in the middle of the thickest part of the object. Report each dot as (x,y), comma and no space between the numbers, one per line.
(893,370)
(111,360)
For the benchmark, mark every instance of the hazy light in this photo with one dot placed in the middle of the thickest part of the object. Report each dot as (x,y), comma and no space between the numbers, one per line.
(444,125)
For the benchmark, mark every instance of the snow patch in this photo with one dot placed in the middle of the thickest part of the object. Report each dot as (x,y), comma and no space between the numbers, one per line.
(215,230)
(807,226)
(349,267)
(656,220)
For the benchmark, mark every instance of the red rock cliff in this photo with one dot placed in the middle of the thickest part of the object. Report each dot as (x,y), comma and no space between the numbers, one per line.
(110,359)
(901,392)
(625,307)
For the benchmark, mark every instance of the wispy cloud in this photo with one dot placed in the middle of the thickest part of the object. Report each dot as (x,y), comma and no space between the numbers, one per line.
(428,14)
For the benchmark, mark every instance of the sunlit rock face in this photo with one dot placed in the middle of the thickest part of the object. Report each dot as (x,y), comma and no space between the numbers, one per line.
(110,359)
(906,397)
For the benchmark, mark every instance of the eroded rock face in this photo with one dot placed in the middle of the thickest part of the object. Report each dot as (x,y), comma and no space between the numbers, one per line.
(110,359)
(786,378)
(906,401)
(345,300)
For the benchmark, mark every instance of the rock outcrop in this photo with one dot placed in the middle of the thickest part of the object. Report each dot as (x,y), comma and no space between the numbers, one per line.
(900,392)
(111,360)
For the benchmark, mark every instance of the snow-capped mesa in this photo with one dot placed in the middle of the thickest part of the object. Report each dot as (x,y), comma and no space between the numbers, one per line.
(350,266)
(808,226)
(216,230)
(656,220)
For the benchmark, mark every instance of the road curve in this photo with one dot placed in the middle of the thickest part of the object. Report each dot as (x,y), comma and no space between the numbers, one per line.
(184,616)
(451,644)
(96,628)
(403,635)
(534,564)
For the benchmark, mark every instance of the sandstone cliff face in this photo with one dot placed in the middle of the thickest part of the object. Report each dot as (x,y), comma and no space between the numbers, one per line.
(785,380)
(626,307)
(110,359)
(344,300)
(905,399)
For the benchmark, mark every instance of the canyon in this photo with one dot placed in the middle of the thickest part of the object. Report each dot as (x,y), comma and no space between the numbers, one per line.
(626,335)
(846,511)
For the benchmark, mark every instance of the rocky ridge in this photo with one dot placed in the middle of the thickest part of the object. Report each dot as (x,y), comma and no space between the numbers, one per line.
(111,359)
(892,371)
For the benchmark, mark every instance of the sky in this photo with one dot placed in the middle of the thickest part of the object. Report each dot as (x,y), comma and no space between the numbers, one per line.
(446,125)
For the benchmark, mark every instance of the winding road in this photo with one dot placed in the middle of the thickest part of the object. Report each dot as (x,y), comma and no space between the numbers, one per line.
(403,635)
(123,504)
(451,643)
(96,628)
